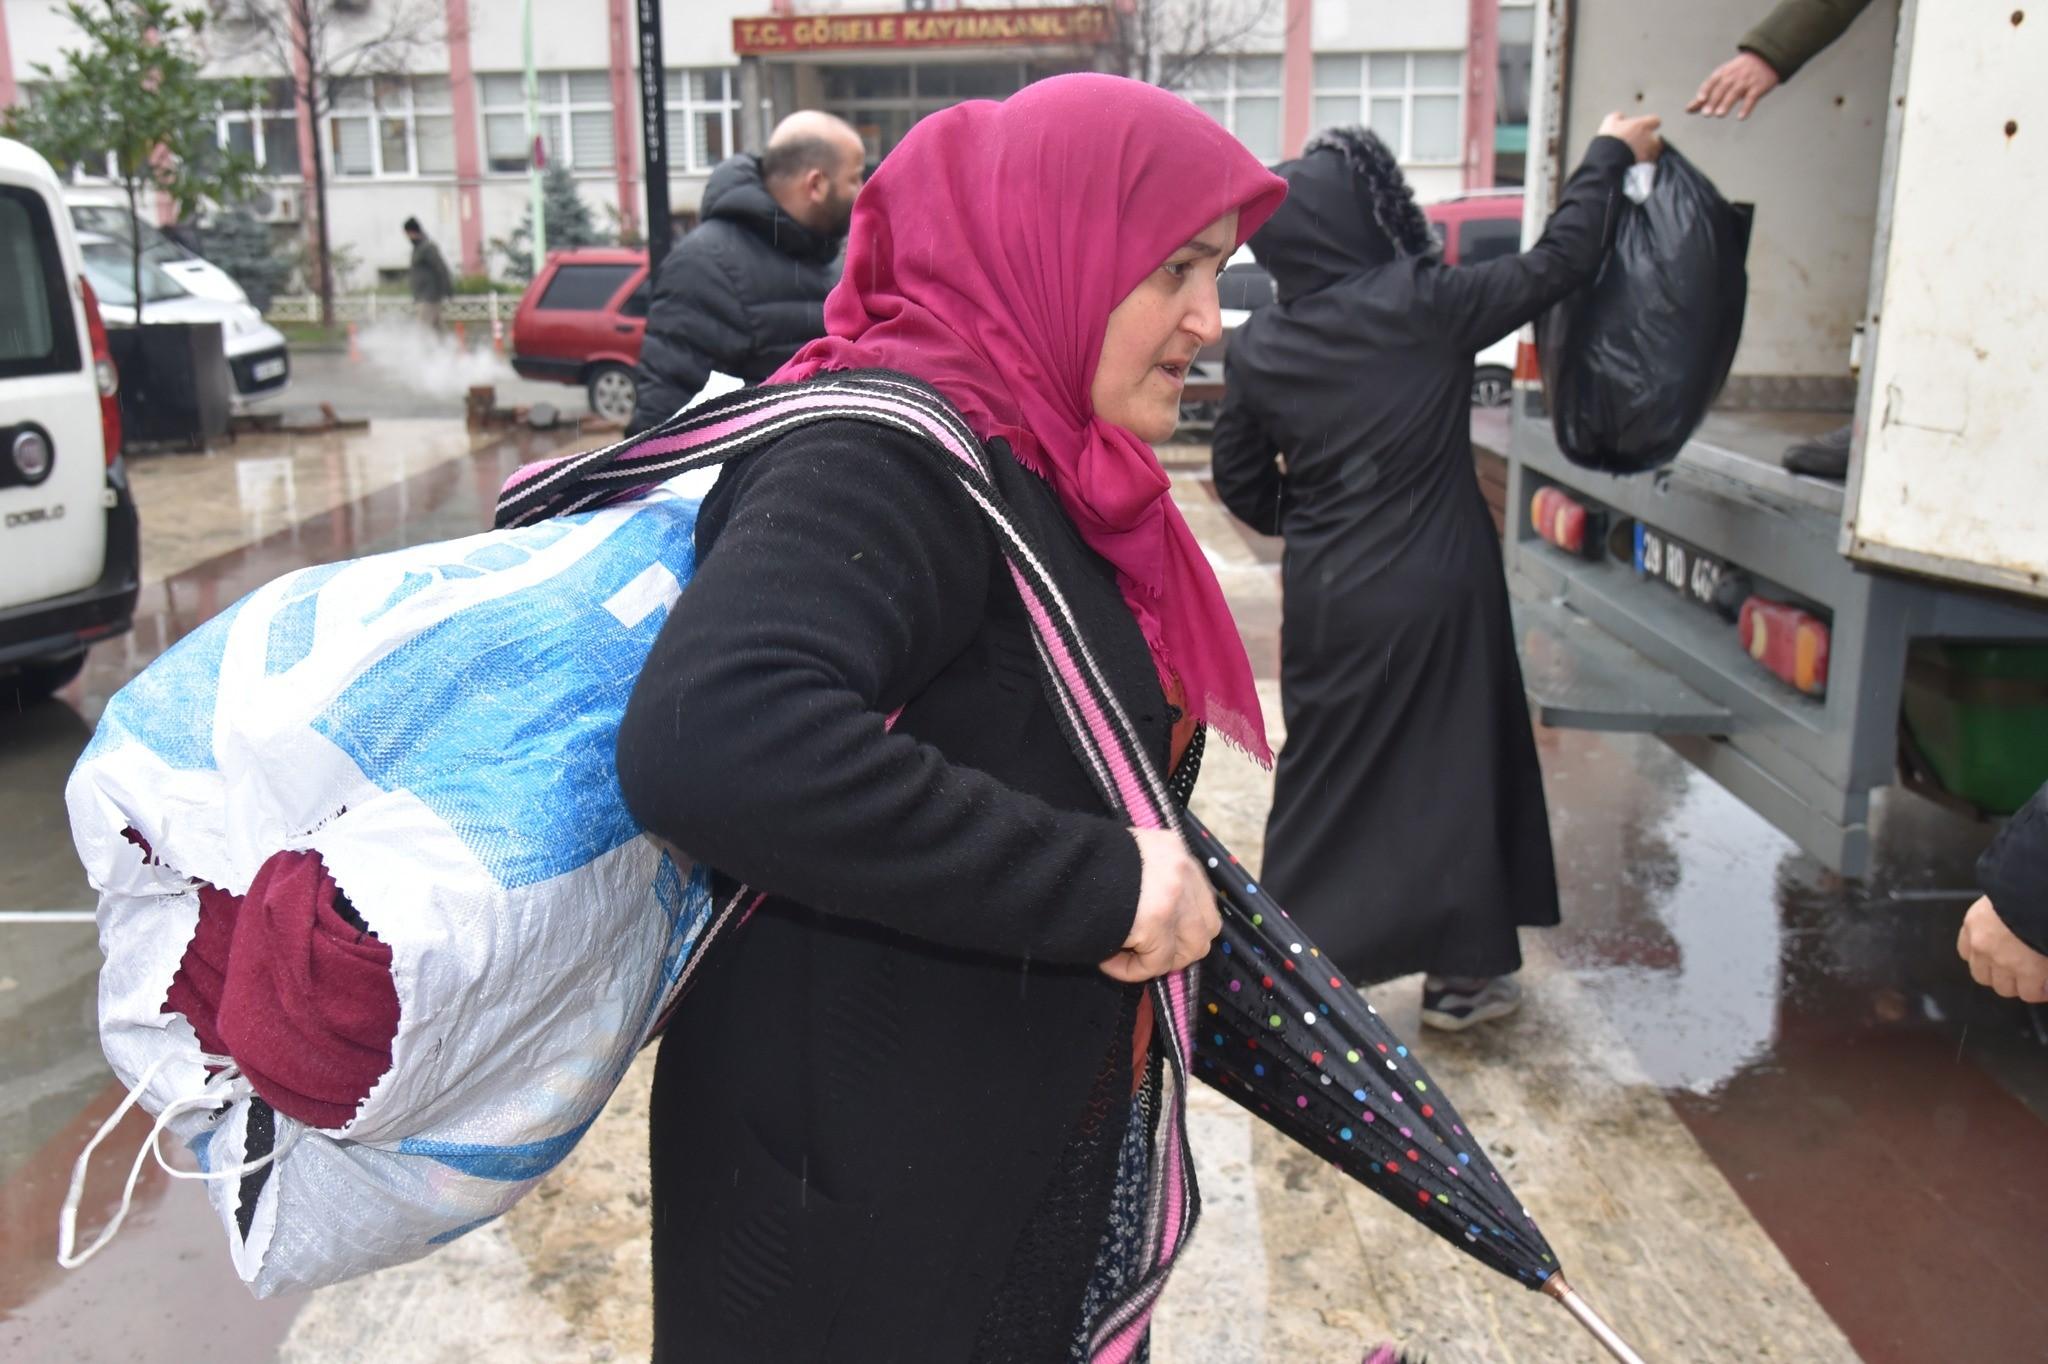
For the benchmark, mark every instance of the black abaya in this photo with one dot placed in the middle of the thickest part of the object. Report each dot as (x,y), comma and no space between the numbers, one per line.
(1408,830)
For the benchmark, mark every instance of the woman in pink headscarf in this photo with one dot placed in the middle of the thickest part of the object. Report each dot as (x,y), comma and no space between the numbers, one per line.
(907,1112)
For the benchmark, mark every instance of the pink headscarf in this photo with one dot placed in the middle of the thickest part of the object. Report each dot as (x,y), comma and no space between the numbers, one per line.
(985,258)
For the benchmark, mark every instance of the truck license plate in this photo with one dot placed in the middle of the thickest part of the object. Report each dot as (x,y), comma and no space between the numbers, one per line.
(268,369)
(1677,565)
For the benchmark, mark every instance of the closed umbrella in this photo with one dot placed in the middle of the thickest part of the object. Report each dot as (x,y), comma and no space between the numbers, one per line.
(1283,1033)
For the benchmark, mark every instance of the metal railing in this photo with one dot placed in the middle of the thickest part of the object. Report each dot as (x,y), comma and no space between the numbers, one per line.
(367,308)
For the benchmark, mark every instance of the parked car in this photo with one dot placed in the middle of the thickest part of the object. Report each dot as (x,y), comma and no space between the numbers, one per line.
(256,352)
(581,322)
(105,212)
(1472,228)
(68,531)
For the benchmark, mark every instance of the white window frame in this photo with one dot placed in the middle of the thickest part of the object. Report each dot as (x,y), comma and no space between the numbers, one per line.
(397,100)
(1363,91)
(1220,102)
(681,109)
(555,110)
(263,121)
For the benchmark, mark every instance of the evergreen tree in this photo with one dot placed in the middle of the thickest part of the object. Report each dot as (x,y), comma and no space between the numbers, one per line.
(569,223)
(240,243)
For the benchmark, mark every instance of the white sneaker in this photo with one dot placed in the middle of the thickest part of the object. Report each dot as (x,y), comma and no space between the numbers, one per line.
(1451,1004)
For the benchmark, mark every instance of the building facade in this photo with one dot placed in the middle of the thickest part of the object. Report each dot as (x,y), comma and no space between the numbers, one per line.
(440,133)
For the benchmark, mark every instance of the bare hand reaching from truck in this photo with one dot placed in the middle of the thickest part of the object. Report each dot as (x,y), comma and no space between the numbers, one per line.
(1640,133)
(1743,79)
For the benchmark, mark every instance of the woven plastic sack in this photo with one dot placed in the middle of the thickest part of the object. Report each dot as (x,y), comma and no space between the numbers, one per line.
(439,724)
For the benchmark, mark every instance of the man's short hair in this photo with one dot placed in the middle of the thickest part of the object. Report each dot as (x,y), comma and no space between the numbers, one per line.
(799,156)
(413,225)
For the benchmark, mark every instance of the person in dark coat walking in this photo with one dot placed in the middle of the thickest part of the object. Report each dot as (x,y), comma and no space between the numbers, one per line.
(2005,934)
(427,276)
(1408,829)
(746,288)
(910,1111)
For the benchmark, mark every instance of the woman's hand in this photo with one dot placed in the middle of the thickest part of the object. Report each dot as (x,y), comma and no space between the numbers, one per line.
(1640,133)
(1176,918)
(1743,79)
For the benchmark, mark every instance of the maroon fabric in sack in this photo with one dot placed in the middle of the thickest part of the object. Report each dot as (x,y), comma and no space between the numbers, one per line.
(309,1008)
(203,971)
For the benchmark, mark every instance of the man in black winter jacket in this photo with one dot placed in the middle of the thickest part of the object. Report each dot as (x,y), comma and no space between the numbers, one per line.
(746,288)
(2005,934)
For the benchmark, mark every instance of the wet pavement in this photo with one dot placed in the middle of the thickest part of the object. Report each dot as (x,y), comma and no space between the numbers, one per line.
(1762,1112)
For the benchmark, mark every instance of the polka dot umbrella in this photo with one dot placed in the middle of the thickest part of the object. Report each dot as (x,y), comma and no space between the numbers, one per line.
(1283,1033)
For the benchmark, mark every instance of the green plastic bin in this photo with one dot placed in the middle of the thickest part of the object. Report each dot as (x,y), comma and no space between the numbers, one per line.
(1976,717)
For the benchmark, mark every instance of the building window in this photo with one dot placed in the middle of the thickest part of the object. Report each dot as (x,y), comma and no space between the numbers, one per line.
(1413,100)
(883,103)
(391,126)
(575,119)
(1242,94)
(94,168)
(267,134)
(701,109)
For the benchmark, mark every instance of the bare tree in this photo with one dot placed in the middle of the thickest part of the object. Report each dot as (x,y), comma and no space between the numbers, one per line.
(1167,41)
(321,46)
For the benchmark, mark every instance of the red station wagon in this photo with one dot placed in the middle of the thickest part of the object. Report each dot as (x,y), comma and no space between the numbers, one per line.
(581,321)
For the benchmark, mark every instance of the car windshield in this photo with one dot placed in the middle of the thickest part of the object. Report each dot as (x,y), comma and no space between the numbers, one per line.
(111,221)
(113,277)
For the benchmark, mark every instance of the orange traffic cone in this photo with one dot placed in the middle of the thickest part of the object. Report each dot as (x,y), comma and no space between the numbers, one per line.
(355,352)
(497,336)
(461,336)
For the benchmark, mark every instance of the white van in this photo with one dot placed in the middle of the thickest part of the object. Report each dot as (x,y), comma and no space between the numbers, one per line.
(69,561)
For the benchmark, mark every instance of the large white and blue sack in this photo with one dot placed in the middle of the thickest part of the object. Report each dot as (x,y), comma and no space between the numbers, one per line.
(438,723)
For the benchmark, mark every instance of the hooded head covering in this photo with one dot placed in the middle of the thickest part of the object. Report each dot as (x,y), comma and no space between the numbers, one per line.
(1348,209)
(985,257)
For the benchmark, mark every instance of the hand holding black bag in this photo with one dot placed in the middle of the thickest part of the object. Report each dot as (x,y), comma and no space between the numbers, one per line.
(1632,362)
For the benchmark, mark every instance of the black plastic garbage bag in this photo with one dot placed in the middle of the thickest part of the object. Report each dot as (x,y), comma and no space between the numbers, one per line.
(1632,362)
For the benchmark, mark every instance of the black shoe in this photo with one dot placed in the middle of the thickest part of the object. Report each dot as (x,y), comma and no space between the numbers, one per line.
(1823,456)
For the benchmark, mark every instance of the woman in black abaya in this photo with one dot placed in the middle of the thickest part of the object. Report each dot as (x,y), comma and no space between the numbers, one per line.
(1408,830)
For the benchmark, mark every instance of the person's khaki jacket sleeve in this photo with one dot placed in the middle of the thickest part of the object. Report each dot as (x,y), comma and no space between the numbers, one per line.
(1796,31)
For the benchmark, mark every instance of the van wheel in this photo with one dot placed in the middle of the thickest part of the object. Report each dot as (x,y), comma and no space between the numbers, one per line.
(1492,385)
(613,393)
(40,678)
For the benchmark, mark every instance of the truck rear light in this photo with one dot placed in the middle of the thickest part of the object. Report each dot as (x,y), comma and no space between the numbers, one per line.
(1791,643)
(104,372)
(31,455)
(1567,523)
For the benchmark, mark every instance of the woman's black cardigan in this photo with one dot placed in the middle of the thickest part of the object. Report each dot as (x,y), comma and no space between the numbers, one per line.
(864,1098)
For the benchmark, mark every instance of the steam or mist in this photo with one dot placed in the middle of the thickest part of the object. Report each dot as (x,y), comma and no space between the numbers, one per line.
(405,354)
